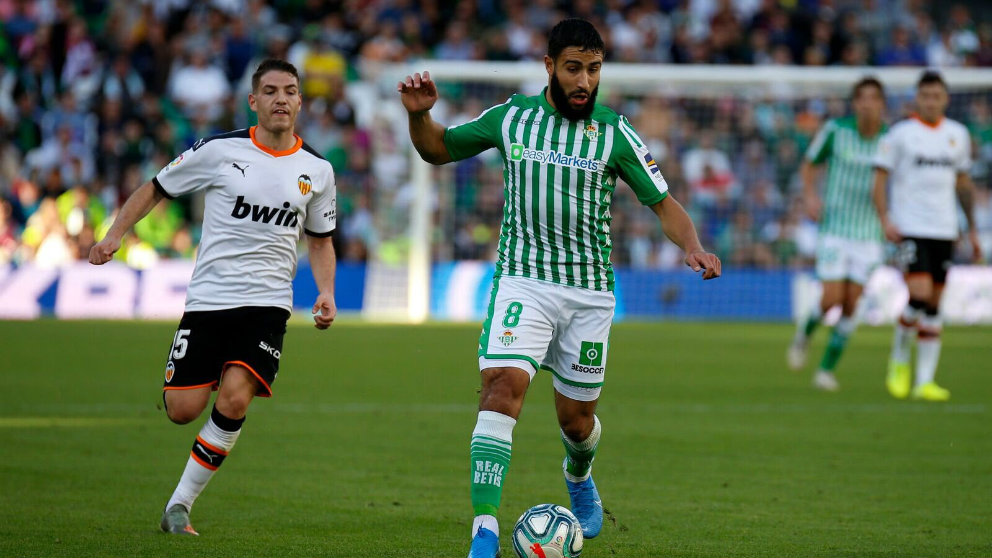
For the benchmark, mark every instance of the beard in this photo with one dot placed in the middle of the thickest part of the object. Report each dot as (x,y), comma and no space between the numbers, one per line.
(564,107)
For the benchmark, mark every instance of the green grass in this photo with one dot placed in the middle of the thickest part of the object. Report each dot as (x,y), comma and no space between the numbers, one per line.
(710,447)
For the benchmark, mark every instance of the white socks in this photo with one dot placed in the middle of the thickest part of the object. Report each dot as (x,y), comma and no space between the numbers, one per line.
(928,349)
(209,450)
(903,337)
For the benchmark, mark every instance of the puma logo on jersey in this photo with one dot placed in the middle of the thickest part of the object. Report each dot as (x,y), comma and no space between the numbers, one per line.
(265,214)
(235,165)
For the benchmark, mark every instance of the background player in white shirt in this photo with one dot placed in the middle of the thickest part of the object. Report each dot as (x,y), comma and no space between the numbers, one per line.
(928,157)
(262,186)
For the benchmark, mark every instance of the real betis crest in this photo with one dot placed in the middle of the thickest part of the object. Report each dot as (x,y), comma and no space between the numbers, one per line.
(592,132)
(507,338)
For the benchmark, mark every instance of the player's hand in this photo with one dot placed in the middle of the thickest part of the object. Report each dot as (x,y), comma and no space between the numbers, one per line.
(103,251)
(418,92)
(709,263)
(324,311)
(976,247)
(813,206)
(892,233)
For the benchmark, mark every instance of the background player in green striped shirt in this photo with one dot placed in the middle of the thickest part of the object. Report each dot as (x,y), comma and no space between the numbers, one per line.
(850,245)
(552,298)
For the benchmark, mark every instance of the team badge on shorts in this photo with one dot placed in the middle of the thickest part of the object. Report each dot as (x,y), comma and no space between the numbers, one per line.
(170,371)
(507,338)
(305,184)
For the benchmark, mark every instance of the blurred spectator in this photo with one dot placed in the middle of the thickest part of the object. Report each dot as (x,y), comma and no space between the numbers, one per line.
(323,69)
(122,83)
(80,70)
(964,40)
(198,88)
(904,50)
(8,232)
(45,241)
(456,44)
(940,53)
(159,227)
(708,172)
(71,158)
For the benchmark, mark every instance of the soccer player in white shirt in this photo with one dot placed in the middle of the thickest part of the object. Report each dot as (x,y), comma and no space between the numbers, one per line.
(263,185)
(552,300)
(927,157)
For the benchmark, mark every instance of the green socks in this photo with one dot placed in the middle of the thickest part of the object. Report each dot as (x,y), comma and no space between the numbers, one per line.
(838,339)
(492,440)
(579,455)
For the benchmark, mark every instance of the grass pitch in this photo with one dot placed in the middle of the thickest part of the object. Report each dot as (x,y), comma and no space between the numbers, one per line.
(710,447)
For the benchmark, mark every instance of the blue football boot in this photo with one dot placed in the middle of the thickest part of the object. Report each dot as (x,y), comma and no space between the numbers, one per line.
(586,506)
(485,544)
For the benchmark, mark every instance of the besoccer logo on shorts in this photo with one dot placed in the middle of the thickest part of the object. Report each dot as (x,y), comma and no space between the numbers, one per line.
(591,354)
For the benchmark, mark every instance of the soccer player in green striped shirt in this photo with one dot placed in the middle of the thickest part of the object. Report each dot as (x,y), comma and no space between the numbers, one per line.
(849,246)
(551,304)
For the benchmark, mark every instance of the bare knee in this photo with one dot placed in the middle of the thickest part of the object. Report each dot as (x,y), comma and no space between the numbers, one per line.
(233,404)
(831,296)
(503,390)
(577,427)
(237,390)
(576,418)
(184,409)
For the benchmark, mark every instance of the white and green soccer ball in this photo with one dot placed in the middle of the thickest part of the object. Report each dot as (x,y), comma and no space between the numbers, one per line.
(547,531)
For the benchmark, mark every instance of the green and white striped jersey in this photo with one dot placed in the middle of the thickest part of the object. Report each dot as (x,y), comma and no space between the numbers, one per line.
(848,210)
(558,180)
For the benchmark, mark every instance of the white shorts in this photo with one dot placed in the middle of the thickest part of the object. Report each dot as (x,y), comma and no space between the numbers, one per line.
(844,259)
(534,324)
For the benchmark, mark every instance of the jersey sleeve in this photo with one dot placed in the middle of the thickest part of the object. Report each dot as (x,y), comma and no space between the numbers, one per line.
(963,163)
(475,136)
(194,169)
(322,210)
(822,145)
(888,151)
(636,166)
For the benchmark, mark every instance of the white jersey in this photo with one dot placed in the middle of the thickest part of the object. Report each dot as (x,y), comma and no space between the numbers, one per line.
(924,162)
(257,201)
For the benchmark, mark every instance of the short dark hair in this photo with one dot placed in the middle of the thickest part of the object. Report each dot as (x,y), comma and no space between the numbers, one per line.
(273,64)
(574,32)
(931,76)
(867,81)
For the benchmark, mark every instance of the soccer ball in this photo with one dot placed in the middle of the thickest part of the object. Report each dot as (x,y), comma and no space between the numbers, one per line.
(547,531)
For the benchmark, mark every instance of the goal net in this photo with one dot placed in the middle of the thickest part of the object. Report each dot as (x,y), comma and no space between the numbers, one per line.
(729,141)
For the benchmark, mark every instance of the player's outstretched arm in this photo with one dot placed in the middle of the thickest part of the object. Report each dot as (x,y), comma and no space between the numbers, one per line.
(134,209)
(881,199)
(418,94)
(965,189)
(323,264)
(808,174)
(678,227)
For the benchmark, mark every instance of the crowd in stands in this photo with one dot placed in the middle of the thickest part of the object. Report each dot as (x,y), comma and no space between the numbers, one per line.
(96,96)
